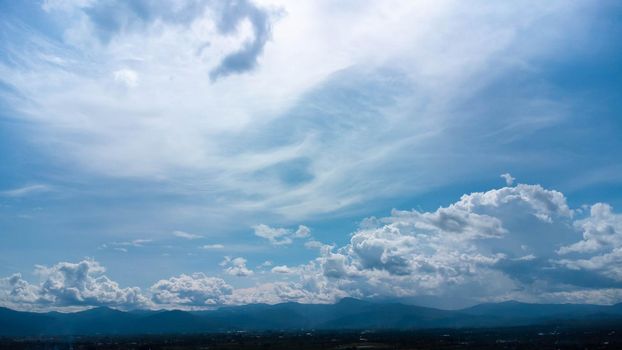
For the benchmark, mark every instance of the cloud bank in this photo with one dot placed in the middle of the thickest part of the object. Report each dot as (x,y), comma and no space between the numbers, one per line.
(519,242)
(70,285)
(194,290)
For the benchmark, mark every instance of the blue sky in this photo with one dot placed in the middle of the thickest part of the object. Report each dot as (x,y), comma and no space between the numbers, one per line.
(164,154)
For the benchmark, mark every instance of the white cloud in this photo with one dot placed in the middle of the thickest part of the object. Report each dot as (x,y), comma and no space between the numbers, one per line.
(65,5)
(236,267)
(127,77)
(212,246)
(600,250)
(191,290)
(122,246)
(138,242)
(16,292)
(508,235)
(543,204)
(302,231)
(26,190)
(313,244)
(186,235)
(283,269)
(84,283)
(520,242)
(260,141)
(605,296)
(70,284)
(509,180)
(602,230)
(274,235)
(608,264)
(278,292)
(265,264)
(102,20)
(281,236)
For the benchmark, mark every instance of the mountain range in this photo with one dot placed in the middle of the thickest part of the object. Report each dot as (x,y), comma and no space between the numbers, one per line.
(347,314)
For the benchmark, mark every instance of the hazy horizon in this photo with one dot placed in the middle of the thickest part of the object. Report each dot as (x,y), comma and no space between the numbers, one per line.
(381,302)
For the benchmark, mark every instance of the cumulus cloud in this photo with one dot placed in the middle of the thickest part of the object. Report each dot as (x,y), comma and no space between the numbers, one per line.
(608,264)
(280,236)
(602,230)
(513,236)
(84,283)
(265,264)
(509,180)
(274,235)
(542,203)
(313,244)
(282,269)
(236,267)
(509,235)
(191,290)
(16,291)
(68,284)
(302,231)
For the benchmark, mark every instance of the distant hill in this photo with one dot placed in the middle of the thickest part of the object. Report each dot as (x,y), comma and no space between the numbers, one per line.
(514,309)
(347,314)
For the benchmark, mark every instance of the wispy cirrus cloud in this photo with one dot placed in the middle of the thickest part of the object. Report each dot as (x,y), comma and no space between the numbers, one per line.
(212,246)
(124,245)
(285,150)
(105,21)
(26,191)
(186,235)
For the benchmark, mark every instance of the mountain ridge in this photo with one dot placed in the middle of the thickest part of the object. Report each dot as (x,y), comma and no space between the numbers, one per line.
(347,314)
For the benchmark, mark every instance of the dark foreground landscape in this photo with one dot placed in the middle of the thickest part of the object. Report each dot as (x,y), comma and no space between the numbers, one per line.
(349,324)
(544,337)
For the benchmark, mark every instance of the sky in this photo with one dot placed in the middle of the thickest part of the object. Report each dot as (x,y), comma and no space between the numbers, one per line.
(193,154)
